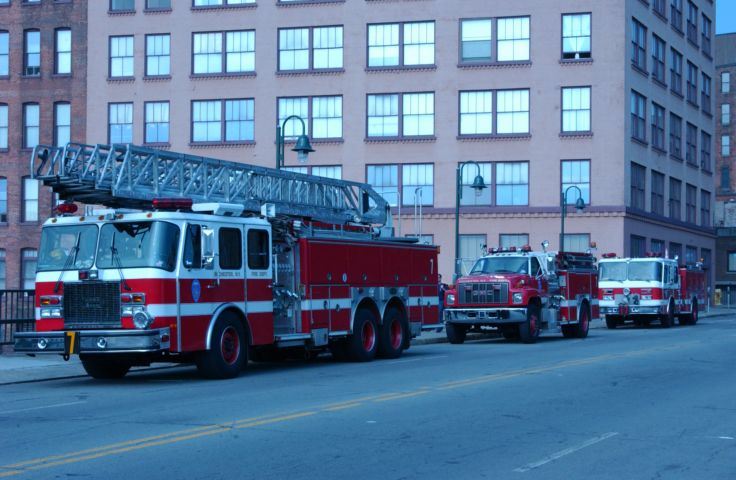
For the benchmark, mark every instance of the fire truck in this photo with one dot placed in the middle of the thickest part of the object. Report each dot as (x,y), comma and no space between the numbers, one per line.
(522,293)
(201,260)
(650,288)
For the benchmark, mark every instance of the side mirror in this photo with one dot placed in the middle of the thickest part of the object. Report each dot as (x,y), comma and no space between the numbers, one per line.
(208,248)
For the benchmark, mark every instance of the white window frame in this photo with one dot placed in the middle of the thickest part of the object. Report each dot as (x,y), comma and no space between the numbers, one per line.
(576,109)
(476,112)
(512,112)
(120,122)
(156,122)
(513,38)
(121,56)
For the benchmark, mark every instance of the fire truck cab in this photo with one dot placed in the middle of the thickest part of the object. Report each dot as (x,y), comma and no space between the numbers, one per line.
(522,293)
(649,288)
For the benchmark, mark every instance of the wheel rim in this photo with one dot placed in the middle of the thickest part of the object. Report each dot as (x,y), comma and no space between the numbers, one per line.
(396,333)
(230,345)
(369,336)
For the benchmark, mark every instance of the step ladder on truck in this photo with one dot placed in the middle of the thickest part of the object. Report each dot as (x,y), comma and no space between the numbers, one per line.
(196,259)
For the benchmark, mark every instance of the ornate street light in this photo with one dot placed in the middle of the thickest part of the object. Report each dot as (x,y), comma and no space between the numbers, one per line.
(579,206)
(478,185)
(302,146)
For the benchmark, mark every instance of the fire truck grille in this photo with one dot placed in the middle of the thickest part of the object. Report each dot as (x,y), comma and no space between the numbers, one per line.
(484,293)
(92,305)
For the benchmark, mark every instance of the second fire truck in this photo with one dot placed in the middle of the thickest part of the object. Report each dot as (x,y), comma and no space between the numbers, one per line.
(523,293)
(216,262)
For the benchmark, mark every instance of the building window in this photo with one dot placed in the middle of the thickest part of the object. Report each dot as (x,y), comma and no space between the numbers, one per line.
(692,83)
(638,45)
(725,114)
(705,94)
(3,127)
(158,4)
(576,173)
(63,46)
(676,14)
(471,196)
(294,49)
(32,53)
(657,126)
(334,172)
(675,199)
(656,246)
(287,107)
(706,36)
(675,136)
(156,122)
(29,257)
(31,125)
(512,183)
(512,42)
(417,184)
(3,200)
(4,54)
(638,186)
(675,250)
(121,56)
(725,145)
(3,271)
(30,200)
(415,45)
(385,181)
(417,115)
(705,162)
(120,123)
(660,8)
(576,35)
(691,144)
(725,81)
(725,178)
(705,208)
(512,111)
(508,240)
(328,48)
(158,54)
(576,109)
(692,23)
(657,193)
(658,52)
(238,56)
(638,246)
(215,3)
(238,124)
(476,113)
(732,261)
(638,116)
(476,40)
(676,71)
(62,123)
(576,242)
(471,247)
(327,117)
(690,203)
(122,5)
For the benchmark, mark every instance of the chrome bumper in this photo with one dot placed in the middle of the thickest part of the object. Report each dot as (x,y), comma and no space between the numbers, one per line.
(94,341)
(485,316)
(633,310)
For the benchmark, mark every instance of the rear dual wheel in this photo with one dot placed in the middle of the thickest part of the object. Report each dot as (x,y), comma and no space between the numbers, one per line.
(362,345)
(392,334)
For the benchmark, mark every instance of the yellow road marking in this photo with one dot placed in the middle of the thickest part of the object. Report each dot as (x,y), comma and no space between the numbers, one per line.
(402,395)
(344,406)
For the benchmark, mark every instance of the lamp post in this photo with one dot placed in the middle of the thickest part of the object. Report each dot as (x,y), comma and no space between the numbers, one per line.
(302,147)
(478,185)
(579,206)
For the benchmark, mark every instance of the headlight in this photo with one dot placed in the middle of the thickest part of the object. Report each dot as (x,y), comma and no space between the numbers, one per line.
(50,313)
(142,320)
(517,298)
(608,297)
(646,297)
(451,299)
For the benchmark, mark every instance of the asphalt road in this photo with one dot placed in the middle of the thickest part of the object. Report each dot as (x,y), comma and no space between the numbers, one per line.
(624,404)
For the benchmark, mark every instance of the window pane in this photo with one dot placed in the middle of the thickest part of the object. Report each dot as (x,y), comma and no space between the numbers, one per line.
(512,108)
(385,181)
(476,113)
(513,39)
(383,45)
(417,184)
(63,123)
(294,106)
(418,110)
(475,36)
(328,48)
(512,183)
(327,117)
(383,115)
(239,120)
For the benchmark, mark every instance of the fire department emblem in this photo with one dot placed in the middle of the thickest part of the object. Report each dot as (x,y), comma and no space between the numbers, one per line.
(196,290)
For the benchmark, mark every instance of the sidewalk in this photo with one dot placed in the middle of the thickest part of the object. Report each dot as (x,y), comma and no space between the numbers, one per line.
(19,368)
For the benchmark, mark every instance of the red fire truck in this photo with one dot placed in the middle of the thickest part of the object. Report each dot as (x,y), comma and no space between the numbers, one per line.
(650,288)
(522,293)
(202,260)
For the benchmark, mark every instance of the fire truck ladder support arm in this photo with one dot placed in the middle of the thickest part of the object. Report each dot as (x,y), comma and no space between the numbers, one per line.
(131,176)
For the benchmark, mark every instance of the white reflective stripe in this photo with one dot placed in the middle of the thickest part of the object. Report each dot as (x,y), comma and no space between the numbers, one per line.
(262,306)
(574,303)
(424,301)
(204,308)
(594,301)
(109,275)
(332,303)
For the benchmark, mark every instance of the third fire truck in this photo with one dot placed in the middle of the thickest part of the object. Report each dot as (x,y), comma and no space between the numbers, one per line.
(522,293)
(650,288)
(215,262)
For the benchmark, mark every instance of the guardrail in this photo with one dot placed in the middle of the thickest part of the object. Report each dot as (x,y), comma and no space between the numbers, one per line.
(16,313)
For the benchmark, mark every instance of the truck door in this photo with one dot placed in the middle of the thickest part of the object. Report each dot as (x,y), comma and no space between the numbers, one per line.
(259,284)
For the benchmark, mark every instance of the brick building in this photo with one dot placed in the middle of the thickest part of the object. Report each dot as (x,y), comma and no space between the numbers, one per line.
(43,69)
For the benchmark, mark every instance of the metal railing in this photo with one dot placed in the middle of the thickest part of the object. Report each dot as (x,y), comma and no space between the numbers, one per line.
(16,313)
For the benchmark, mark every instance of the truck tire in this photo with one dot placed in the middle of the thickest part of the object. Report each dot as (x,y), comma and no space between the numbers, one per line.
(611,322)
(668,319)
(103,367)
(696,313)
(510,332)
(362,345)
(690,318)
(455,333)
(581,329)
(568,331)
(229,350)
(529,329)
(392,334)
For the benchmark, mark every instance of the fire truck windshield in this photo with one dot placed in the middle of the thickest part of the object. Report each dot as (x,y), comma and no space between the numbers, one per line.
(138,244)
(70,247)
(501,265)
(634,271)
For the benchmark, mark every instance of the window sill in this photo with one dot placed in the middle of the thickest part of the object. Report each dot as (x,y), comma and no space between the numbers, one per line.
(572,135)
(661,16)
(156,11)
(676,157)
(707,113)
(210,76)
(4,150)
(314,71)
(640,70)
(693,104)
(659,82)
(120,79)
(575,61)
(640,141)
(494,137)
(325,141)
(707,55)
(694,166)
(214,8)
(302,3)
(120,12)
(162,146)
(401,68)
(417,139)
(4,77)
(222,144)
(491,64)
(693,44)
(30,77)
(61,75)
(156,78)
(659,150)
(677,30)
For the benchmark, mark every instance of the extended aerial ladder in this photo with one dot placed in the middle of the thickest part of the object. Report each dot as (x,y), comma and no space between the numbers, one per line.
(131,176)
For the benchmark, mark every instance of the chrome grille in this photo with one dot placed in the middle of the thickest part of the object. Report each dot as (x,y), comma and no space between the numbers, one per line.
(484,293)
(92,305)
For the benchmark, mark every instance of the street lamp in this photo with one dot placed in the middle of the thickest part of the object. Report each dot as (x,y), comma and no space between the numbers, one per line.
(579,206)
(302,146)
(478,185)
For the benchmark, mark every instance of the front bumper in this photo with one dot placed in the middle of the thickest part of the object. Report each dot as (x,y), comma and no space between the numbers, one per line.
(94,341)
(485,316)
(625,310)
